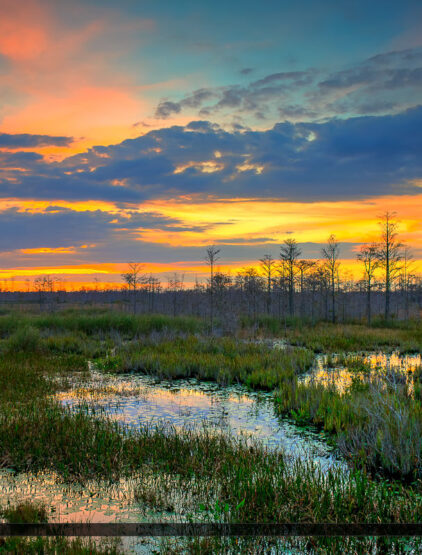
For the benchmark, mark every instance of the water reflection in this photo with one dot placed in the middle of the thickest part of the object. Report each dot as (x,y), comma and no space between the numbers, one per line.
(92,502)
(193,404)
(339,371)
(135,400)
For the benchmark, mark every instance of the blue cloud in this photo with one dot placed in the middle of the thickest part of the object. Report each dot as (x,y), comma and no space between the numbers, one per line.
(26,140)
(337,159)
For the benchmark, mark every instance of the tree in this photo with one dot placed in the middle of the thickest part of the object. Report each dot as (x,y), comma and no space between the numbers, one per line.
(252,288)
(211,257)
(45,285)
(267,266)
(406,276)
(133,278)
(175,285)
(153,287)
(331,254)
(368,255)
(289,254)
(389,254)
(303,266)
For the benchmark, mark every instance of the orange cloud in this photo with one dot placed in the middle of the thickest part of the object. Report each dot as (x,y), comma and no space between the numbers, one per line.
(351,221)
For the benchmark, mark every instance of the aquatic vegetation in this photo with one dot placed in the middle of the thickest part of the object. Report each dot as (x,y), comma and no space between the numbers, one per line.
(25,512)
(324,337)
(223,360)
(377,424)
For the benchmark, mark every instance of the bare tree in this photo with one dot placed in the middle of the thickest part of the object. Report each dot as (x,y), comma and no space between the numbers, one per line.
(289,255)
(389,255)
(331,254)
(211,257)
(368,255)
(44,285)
(252,288)
(153,287)
(303,267)
(406,276)
(175,285)
(133,278)
(267,267)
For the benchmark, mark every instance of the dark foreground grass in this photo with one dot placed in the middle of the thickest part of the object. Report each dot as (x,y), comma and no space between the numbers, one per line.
(311,546)
(25,512)
(28,512)
(59,546)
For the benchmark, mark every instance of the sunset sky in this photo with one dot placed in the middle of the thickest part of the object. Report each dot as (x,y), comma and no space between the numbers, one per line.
(147,130)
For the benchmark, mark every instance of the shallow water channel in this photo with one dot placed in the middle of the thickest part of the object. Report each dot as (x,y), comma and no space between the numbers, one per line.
(136,400)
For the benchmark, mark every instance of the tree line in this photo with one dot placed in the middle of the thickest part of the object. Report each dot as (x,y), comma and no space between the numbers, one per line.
(285,287)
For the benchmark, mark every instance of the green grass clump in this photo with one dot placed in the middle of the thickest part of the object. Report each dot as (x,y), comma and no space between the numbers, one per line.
(376,425)
(25,512)
(223,360)
(25,338)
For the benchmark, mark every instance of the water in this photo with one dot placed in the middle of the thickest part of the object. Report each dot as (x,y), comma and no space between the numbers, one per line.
(136,399)
(337,370)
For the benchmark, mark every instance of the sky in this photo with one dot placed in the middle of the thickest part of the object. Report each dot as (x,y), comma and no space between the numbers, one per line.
(147,130)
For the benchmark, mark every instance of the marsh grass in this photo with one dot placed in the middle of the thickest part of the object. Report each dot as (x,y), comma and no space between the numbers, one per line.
(294,546)
(25,512)
(59,546)
(348,337)
(324,337)
(223,360)
(227,479)
(96,322)
(376,422)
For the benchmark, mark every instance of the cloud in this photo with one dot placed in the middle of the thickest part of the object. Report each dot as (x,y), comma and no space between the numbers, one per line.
(385,83)
(62,228)
(337,159)
(26,140)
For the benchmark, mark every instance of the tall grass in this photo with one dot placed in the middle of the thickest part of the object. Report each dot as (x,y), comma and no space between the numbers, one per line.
(377,424)
(59,546)
(223,360)
(102,322)
(326,337)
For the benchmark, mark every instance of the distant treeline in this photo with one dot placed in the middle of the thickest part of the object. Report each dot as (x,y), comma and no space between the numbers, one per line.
(287,287)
